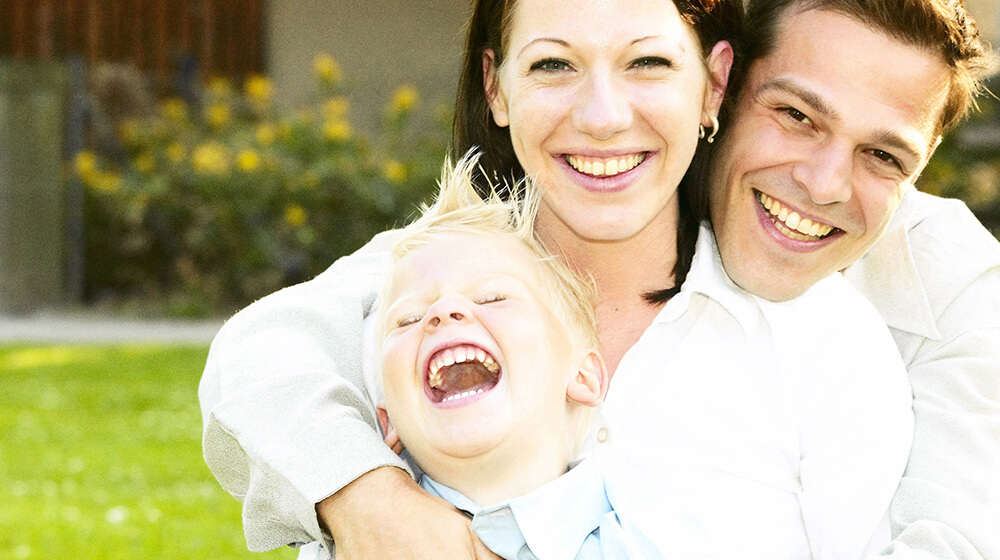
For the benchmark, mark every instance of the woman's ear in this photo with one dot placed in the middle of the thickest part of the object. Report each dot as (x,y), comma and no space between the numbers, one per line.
(590,383)
(720,62)
(491,85)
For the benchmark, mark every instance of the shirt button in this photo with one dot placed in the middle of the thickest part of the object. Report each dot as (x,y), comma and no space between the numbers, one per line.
(602,435)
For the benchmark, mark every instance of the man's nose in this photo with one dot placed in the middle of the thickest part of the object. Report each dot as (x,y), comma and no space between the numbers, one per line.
(825,173)
(602,107)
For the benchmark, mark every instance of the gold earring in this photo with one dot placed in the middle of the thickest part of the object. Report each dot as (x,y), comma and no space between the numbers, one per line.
(701,130)
(715,129)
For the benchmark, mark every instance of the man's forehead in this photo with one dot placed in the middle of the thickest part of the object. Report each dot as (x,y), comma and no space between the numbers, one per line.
(825,57)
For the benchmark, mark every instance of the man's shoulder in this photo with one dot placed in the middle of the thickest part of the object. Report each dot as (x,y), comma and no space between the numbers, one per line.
(944,234)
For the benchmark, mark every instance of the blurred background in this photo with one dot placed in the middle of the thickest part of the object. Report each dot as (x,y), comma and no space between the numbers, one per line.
(167,160)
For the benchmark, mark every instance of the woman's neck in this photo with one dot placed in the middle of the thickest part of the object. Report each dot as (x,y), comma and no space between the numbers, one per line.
(624,271)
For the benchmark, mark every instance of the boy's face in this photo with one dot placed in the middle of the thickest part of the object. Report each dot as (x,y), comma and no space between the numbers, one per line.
(473,357)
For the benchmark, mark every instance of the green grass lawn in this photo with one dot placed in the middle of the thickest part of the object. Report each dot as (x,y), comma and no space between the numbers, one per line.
(100,457)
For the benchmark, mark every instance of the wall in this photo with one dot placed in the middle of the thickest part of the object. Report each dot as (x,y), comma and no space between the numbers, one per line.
(380,45)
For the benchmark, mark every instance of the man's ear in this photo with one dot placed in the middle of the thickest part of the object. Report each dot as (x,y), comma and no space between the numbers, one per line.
(719,63)
(590,383)
(491,84)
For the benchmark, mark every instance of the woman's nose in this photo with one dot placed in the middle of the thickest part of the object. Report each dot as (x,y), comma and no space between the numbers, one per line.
(602,107)
(446,311)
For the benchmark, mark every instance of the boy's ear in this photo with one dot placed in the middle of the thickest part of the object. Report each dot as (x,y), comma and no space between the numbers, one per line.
(391,437)
(590,383)
(491,84)
(383,418)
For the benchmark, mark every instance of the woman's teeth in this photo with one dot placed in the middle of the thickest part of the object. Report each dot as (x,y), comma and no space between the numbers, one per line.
(790,224)
(605,167)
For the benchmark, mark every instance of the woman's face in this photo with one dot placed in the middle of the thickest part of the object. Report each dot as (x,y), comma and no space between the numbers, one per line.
(603,99)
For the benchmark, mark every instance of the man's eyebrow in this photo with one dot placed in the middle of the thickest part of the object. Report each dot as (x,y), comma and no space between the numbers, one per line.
(819,104)
(542,40)
(810,98)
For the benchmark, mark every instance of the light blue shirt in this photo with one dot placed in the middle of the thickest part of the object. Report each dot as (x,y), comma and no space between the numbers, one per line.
(568,518)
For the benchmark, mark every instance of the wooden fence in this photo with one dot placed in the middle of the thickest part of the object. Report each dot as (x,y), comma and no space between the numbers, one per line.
(220,37)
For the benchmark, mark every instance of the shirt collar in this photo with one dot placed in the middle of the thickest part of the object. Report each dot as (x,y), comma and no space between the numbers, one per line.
(554,519)
(887,275)
(708,278)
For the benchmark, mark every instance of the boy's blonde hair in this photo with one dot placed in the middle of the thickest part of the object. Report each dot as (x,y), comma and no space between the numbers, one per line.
(458,208)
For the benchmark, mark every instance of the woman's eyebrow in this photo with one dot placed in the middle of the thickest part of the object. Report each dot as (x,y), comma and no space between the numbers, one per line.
(540,40)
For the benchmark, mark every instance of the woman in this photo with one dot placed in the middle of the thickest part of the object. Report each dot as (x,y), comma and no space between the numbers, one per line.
(602,103)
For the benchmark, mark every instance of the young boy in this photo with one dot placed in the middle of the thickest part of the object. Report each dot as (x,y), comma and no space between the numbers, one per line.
(489,363)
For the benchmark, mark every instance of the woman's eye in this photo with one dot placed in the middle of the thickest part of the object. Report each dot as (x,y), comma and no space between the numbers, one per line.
(651,61)
(551,65)
(492,298)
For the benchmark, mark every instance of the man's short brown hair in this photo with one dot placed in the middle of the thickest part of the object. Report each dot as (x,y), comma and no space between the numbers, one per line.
(942,26)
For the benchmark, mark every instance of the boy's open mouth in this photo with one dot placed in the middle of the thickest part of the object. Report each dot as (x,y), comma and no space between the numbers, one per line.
(460,372)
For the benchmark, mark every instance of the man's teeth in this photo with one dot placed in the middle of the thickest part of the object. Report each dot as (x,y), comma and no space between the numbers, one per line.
(790,224)
(462,395)
(605,167)
(457,356)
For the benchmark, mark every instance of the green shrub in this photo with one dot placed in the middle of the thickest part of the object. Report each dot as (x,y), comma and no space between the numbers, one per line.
(219,203)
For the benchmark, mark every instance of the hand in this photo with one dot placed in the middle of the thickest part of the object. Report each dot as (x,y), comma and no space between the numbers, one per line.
(384,514)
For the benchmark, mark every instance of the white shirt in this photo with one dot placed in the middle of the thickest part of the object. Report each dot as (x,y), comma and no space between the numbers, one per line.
(783,428)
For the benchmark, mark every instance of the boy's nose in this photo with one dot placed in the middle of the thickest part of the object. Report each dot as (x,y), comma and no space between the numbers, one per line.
(446,311)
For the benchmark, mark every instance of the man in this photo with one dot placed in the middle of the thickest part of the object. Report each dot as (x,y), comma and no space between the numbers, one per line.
(843,104)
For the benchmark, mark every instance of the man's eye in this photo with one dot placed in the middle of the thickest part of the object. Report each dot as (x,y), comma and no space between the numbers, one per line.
(492,298)
(651,61)
(551,65)
(796,114)
(886,157)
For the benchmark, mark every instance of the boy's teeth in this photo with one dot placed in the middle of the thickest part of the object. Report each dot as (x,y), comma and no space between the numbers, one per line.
(605,167)
(468,393)
(791,224)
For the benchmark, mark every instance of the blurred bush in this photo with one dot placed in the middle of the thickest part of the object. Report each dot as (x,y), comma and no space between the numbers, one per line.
(967,163)
(206,205)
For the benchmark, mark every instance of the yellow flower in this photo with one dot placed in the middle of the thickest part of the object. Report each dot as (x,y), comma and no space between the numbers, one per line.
(210,159)
(326,68)
(176,152)
(265,134)
(335,108)
(145,162)
(258,89)
(405,99)
(85,164)
(173,109)
(295,215)
(336,130)
(394,171)
(219,87)
(248,161)
(106,182)
(217,115)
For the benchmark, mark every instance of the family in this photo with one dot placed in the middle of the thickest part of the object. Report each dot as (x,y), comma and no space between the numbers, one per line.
(677,297)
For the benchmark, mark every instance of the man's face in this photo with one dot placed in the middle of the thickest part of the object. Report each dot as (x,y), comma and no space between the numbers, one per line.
(828,131)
